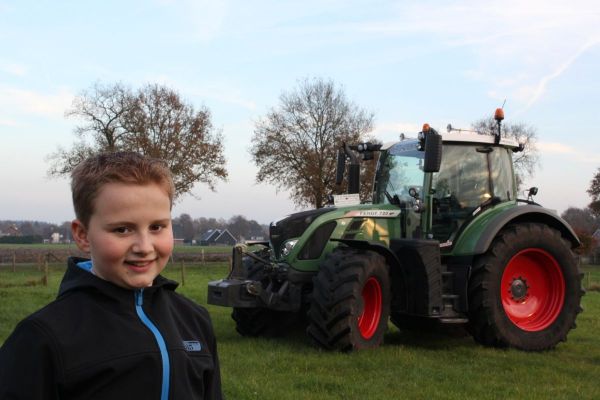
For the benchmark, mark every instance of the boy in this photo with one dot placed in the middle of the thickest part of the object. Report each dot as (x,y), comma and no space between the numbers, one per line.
(117,329)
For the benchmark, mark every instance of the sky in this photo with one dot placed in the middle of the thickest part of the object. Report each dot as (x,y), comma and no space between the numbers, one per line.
(408,62)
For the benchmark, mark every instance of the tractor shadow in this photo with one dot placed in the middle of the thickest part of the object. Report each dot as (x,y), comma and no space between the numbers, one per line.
(430,337)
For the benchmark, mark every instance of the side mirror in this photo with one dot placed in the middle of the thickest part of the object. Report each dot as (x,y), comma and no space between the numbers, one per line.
(433,152)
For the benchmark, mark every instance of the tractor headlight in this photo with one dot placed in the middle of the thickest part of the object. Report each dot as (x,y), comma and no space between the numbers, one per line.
(288,246)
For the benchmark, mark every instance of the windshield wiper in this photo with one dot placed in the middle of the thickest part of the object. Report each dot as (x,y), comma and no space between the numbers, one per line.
(394,200)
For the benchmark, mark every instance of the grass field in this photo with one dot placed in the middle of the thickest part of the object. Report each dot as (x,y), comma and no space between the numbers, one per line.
(421,365)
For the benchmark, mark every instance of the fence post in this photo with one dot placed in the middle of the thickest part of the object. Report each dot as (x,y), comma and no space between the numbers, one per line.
(182,273)
(45,278)
(14,261)
(202,257)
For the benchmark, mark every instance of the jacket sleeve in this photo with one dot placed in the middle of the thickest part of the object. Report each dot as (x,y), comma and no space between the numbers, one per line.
(28,364)
(212,379)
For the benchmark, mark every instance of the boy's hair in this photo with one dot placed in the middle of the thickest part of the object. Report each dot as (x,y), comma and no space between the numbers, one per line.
(121,167)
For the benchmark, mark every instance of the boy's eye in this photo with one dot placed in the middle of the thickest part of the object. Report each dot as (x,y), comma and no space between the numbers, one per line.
(156,227)
(121,229)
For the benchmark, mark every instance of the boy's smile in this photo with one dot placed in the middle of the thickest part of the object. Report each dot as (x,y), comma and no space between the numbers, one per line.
(129,236)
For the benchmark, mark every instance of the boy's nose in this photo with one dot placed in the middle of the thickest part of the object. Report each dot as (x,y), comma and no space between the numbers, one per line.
(143,244)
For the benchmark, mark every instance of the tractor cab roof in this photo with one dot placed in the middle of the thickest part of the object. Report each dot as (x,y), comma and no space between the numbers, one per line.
(460,137)
(464,137)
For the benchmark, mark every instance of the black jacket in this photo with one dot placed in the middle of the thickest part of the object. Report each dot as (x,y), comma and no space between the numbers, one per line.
(92,343)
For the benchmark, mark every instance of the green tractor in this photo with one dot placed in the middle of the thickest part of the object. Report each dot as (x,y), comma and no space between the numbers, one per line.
(444,241)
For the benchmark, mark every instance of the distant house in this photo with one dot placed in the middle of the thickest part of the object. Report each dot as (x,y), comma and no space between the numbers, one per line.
(226,238)
(595,253)
(13,230)
(208,237)
(214,237)
(55,237)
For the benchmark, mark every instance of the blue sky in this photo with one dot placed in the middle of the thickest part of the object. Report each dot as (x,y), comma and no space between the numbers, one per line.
(408,62)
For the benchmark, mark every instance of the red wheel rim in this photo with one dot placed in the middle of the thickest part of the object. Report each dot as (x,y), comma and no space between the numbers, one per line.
(533,289)
(369,318)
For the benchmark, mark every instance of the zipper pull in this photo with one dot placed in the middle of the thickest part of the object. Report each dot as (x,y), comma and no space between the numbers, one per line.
(139,297)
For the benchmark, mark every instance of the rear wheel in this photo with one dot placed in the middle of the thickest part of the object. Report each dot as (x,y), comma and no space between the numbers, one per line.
(525,292)
(351,300)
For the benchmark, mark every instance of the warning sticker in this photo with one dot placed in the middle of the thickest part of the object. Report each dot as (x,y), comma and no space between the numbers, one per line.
(342,200)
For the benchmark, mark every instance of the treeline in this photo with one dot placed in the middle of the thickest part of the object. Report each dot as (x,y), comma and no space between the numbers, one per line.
(187,228)
(184,227)
(586,223)
(19,231)
(29,239)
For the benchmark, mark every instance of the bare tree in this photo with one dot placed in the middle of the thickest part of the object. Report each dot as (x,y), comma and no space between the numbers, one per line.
(581,219)
(153,121)
(186,227)
(295,144)
(526,161)
(584,223)
(594,192)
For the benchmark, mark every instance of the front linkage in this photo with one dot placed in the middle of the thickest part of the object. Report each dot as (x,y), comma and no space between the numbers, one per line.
(256,282)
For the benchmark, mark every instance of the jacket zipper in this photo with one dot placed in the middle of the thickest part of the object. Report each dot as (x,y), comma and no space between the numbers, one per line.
(139,302)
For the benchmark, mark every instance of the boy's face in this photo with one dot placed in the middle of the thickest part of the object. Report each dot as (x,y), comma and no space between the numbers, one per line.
(129,236)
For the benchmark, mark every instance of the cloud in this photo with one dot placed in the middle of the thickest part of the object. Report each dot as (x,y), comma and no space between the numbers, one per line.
(27,102)
(390,131)
(224,93)
(519,47)
(13,69)
(556,148)
(9,122)
(202,19)
(541,87)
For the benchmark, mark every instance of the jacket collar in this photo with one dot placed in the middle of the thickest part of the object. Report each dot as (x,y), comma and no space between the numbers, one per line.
(77,278)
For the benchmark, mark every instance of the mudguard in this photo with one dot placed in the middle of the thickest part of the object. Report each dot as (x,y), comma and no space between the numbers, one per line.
(477,238)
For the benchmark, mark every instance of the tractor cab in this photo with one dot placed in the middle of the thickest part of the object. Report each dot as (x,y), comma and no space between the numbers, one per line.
(475,173)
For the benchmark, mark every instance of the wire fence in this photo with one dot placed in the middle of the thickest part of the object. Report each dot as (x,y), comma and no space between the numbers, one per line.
(21,267)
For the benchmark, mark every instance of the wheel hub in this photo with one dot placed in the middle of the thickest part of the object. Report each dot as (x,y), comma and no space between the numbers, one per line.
(518,289)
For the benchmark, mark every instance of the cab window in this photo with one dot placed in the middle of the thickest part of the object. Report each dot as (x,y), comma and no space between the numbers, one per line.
(464,183)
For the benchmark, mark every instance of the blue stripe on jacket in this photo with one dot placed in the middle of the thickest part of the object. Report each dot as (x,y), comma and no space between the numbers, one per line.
(139,301)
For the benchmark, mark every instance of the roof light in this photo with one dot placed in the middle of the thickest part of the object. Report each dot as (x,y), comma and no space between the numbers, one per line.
(499,114)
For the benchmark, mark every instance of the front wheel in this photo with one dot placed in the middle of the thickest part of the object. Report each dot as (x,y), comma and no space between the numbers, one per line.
(351,300)
(525,291)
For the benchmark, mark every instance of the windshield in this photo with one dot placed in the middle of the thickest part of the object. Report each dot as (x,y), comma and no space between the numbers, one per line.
(399,169)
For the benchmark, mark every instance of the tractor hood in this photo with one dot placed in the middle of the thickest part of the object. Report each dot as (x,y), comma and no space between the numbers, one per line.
(293,226)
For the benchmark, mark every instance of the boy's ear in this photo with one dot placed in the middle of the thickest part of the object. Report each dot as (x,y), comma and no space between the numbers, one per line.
(79,233)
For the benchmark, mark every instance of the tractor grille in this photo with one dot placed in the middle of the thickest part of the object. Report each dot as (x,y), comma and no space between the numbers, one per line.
(293,226)
(315,245)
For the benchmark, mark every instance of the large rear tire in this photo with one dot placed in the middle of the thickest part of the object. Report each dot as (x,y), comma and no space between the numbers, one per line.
(351,301)
(525,291)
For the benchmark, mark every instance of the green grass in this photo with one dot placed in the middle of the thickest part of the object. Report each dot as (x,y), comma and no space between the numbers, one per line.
(591,277)
(421,365)
(199,249)
(38,246)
